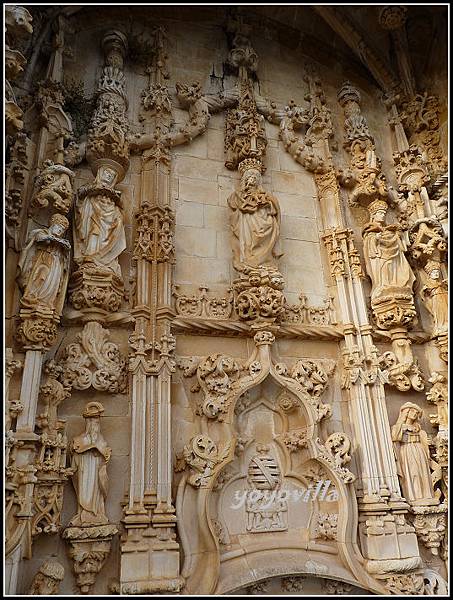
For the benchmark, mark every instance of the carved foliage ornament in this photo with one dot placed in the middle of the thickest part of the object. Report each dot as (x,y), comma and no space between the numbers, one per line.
(203,455)
(94,361)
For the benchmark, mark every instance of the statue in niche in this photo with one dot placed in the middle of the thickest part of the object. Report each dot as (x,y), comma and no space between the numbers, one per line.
(435,296)
(89,457)
(44,267)
(255,224)
(412,454)
(99,236)
(384,250)
(47,580)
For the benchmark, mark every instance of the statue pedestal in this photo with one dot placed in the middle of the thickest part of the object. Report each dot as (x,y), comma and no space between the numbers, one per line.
(95,290)
(430,524)
(89,548)
(395,310)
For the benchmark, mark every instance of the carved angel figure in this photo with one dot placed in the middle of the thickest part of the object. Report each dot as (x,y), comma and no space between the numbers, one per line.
(99,236)
(412,454)
(89,457)
(386,262)
(255,223)
(44,267)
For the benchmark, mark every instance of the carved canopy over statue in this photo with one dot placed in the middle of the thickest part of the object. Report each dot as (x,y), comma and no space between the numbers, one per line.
(99,236)
(255,223)
(89,457)
(384,250)
(413,460)
(44,267)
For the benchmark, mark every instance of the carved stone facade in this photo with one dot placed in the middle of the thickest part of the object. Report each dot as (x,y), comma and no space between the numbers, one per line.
(226,300)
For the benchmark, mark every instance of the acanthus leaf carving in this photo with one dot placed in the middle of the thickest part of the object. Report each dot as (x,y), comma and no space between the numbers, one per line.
(336,453)
(94,361)
(205,458)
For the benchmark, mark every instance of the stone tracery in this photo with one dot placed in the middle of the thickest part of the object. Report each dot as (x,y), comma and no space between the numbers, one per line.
(239,390)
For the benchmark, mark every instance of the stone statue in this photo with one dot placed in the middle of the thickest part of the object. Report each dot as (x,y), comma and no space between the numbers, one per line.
(89,457)
(386,262)
(47,580)
(44,267)
(435,296)
(99,236)
(412,454)
(255,223)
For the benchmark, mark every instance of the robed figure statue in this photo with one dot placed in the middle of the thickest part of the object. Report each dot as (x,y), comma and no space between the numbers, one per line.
(255,223)
(412,454)
(89,457)
(386,262)
(44,267)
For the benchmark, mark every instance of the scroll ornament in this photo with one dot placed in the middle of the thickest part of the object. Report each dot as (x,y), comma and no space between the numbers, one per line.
(94,361)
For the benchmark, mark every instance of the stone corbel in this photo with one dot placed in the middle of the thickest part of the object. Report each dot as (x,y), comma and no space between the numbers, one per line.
(430,523)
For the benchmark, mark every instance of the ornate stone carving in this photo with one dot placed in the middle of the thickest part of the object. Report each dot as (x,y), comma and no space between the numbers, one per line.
(314,379)
(16,170)
(54,185)
(420,117)
(295,440)
(47,580)
(18,26)
(402,584)
(202,305)
(205,458)
(89,532)
(364,177)
(255,222)
(413,460)
(391,276)
(51,471)
(43,276)
(215,375)
(258,295)
(336,452)
(326,527)
(155,227)
(312,315)
(265,511)
(94,361)
(402,375)
(430,524)
(337,588)
(44,266)
(293,584)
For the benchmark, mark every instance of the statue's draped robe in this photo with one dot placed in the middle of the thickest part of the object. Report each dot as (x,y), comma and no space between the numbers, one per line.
(99,233)
(44,272)
(413,460)
(255,223)
(386,263)
(89,460)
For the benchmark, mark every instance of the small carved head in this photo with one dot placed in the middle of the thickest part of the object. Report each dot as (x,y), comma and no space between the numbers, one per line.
(58,224)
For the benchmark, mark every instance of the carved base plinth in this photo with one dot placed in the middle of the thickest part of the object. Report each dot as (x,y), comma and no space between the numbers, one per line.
(430,524)
(37,330)
(96,290)
(395,310)
(259,296)
(88,549)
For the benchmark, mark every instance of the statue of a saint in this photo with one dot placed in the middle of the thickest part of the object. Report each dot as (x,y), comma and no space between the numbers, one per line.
(255,223)
(435,296)
(384,250)
(99,236)
(412,456)
(89,457)
(44,267)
